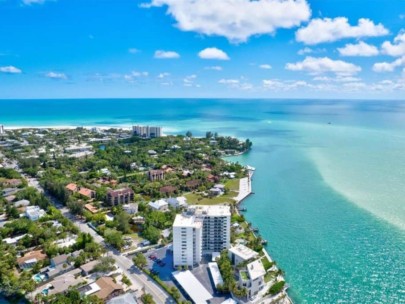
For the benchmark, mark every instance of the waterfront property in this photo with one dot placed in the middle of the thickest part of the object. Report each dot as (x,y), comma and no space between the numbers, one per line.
(199,231)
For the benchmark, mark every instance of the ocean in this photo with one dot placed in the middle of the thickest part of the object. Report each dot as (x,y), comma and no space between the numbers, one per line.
(329,186)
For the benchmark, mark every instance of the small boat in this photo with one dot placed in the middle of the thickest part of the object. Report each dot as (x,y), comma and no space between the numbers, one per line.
(264,242)
(242,209)
(255,229)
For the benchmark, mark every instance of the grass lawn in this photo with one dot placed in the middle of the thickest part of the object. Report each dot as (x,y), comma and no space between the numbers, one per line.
(266,263)
(269,276)
(232,184)
(197,199)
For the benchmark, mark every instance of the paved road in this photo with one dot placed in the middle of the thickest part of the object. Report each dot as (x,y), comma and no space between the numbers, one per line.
(138,279)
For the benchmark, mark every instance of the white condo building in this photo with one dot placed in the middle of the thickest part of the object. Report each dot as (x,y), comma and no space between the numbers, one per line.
(199,231)
(147,131)
(1,129)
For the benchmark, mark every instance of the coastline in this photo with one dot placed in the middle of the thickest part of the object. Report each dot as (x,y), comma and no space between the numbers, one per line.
(246,186)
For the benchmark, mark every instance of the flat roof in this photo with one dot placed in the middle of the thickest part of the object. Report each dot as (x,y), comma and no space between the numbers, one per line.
(243,252)
(255,270)
(210,210)
(186,221)
(215,274)
(192,286)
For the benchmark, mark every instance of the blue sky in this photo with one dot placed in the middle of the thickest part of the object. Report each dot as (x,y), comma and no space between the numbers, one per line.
(202,48)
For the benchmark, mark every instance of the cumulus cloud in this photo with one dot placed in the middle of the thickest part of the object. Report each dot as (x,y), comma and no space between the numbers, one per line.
(330,30)
(159,54)
(237,20)
(214,68)
(389,66)
(322,65)
(213,53)
(265,66)
(361,49)
(397,48)
(56,75)
(10,70)
(189,81)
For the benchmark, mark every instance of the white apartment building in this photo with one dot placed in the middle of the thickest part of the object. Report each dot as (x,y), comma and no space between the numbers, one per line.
(147,131)
(201,230)
(253,278)
(2,129)
(187,240)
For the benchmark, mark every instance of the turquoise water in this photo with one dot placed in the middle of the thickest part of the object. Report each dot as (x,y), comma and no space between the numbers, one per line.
(329,185)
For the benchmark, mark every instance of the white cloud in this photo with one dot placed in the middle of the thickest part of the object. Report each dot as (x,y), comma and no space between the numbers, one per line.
(265,66)
(305,50)
(241,84)
(10,70)
(360,49)
(214,68)
(321,65)
(329,30)
(131,77)
(163,75)
(30,2)
(338,78)
(389,66)
(56,75)
(280,85)
(213,53)
(397,48)
(189,81)
(159,54)
(133,51)
(236,20)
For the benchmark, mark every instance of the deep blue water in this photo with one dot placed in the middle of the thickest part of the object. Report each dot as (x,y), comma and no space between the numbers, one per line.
(329,185)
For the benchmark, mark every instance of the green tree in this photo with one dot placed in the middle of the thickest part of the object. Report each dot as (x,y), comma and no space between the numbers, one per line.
(147,299)
(152,234)
(140,260)
(114,238)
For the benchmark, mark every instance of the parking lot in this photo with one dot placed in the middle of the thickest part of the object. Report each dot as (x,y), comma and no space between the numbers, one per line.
(201,272)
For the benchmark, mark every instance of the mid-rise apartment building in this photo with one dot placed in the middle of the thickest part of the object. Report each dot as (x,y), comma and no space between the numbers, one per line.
(147,131)
(201,230)
(120,196)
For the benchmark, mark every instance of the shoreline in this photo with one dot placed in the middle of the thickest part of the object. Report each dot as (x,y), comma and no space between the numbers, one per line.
(246,185)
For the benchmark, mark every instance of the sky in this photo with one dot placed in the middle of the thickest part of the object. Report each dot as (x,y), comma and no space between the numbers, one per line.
(202,49)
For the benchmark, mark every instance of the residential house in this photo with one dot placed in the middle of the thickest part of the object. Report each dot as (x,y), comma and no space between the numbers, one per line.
(127,298)
(167,190)
(21,203)
(159,205)
(72,188)
(253,278)
(131,208)
(87,193)
(177,202)
(240,253)
(34,213)
(88,268)
(108,288)
(30,259)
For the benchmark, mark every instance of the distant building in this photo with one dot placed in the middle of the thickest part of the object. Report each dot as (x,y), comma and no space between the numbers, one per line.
(156,175)
(34,213)
(2,130)
(177,202)
(159,205)
(72,187)
(14,240)
(147,131)
(120,196)
(130,208)
(198,231)
(87,193)
(21,203)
